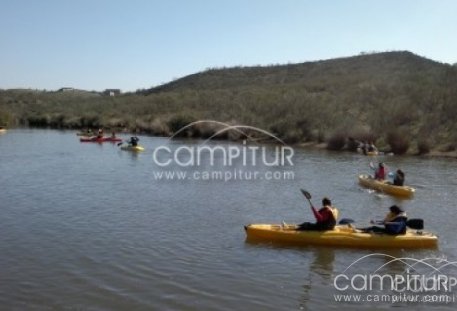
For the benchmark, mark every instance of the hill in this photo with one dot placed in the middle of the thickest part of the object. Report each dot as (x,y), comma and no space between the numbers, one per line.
(394,98)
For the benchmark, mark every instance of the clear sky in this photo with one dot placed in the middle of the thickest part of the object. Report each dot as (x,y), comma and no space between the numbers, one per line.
(132,44)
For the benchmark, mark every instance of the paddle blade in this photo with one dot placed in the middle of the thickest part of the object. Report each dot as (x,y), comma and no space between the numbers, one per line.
(346,221)
(306,194)
(415,223)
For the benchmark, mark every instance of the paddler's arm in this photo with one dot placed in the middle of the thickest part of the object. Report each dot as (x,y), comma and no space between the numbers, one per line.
(317,215)
(389,217)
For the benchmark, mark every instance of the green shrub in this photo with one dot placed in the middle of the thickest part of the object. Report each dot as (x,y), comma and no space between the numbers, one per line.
(57,121)
(292,136)
(423,146)
(5,118)
(398,142)
(38,121)
(178,121)
(352,144)
(336,142)
(159,127)
(282,129)
(90,121)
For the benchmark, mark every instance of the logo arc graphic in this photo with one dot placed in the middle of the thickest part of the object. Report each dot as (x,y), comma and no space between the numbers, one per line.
(237,127)
(199,122)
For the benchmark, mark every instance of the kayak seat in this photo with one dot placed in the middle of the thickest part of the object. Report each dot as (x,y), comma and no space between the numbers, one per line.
(397,226)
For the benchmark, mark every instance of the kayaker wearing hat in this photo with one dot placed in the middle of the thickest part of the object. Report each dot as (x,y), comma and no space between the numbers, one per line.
(325,217)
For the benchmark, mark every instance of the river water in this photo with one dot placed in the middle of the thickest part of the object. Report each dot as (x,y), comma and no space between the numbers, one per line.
(86,226)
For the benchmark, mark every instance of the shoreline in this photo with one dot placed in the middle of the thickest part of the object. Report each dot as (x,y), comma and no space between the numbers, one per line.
(431,154)
(309,145)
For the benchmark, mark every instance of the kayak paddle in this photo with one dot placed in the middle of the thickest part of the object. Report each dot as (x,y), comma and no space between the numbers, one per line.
(307,196)
(372,165)
(346,221)
(413,223)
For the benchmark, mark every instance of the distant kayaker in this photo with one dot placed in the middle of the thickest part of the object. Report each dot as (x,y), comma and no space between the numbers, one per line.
(399,178)
(133,141)
(325,217)
(100,133)
(372,147)
(380,172)
(364,147)
(394,222)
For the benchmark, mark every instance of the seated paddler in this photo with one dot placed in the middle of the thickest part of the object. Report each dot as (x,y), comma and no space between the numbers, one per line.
(325,217)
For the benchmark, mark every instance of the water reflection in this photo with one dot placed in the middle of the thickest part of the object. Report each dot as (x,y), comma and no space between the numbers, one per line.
(319,276)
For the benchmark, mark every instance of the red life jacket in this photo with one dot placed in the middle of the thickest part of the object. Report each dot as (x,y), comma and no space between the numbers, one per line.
(380,173)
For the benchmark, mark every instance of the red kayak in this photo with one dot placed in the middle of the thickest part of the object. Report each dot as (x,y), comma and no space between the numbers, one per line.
(96,139)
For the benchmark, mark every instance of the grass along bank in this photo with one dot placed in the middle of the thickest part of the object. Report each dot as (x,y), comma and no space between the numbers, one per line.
(403,102)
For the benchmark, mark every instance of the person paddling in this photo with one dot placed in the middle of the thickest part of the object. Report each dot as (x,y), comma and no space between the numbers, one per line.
(394,222)
(100,133)
(399,178)
(372,147)
(380,172)
(325,217)
(133,141)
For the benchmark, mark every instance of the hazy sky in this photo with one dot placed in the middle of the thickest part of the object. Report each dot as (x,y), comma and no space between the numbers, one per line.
(131,44)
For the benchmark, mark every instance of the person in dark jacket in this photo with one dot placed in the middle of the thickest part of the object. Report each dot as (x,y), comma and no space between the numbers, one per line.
(133,141)
(399,179)
(394,222)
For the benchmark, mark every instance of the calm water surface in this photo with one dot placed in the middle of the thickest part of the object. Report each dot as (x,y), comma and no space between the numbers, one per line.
(86,226)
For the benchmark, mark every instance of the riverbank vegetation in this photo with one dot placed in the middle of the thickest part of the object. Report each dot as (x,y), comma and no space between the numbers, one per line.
(400,101)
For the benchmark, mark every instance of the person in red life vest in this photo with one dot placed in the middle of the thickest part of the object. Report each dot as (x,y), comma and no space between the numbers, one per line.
(325,217)
(380,173)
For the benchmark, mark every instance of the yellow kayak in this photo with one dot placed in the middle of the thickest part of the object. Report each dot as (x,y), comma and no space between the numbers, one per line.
(385,187)
(342,235)
(132,148)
